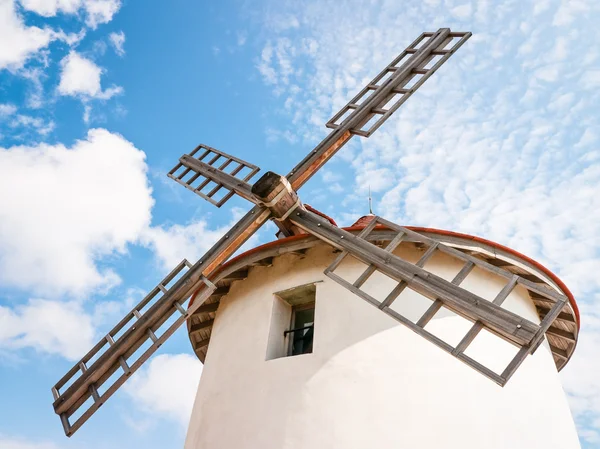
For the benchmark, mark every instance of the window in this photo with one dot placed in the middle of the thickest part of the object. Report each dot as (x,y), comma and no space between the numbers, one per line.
(292,327)
(302,329)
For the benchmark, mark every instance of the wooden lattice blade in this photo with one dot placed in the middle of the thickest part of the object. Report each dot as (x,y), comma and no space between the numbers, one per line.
(379,99)
(82,390)
(371,101)
(488,315)
(214,175)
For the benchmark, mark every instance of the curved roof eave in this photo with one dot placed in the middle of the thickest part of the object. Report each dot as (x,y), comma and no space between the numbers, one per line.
(481,245)
(503,248)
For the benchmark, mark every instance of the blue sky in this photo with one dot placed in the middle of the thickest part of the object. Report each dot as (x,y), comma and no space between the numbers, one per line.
(99,98)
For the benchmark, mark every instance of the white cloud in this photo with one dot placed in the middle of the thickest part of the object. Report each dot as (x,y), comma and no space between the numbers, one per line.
(51,327)
(80,77)
(7,109)
(167,386)
(49,8)
(19,42)
(78,205)
(591,79)
(97,11)
(462,11)
(7,442)
(568,11)
(100,11)
(176,242)
(118,40)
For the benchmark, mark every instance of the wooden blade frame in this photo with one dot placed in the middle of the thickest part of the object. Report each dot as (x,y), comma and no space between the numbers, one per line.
(522,333)
(203,171)
(397,82)
(79,393)
(134,326)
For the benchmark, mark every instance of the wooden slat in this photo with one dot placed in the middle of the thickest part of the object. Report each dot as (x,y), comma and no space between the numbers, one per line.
(206,308)
(219,292)
(561,353)
(201,344)
(195,328)
(236,276)
(563,316)
(514,364)
(561,333)
(266,262)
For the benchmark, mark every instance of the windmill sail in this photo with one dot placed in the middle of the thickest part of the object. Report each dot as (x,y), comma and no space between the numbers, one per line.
(520,332)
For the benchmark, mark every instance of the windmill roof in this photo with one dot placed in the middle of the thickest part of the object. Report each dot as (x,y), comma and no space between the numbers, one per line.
(562,349)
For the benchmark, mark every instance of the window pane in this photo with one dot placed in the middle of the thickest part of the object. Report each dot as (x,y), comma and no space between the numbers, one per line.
(303,339)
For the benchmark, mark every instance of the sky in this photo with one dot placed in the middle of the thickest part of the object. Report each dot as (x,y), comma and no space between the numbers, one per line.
(99,99)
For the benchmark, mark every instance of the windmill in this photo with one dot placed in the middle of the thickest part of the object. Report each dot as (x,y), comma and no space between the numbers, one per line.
(217,176)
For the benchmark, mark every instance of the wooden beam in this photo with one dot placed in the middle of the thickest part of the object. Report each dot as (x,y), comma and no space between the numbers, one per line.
(206,308)
(563,316)
(533,278)
(498,262)
(539,298)
(195,328)
(560,353)
(561,333)
(221,291)
(201,343)
(236,276)
(266,262)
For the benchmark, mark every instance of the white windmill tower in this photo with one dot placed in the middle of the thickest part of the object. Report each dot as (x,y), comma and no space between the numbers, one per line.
(376,335)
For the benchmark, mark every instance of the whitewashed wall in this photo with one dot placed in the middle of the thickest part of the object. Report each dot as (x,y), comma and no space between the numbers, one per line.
(370,382)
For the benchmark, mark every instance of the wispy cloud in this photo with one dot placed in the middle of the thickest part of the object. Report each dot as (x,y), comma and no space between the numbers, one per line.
(118,41)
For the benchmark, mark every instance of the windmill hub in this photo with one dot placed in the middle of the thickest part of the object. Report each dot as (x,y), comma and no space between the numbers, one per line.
(275,192)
